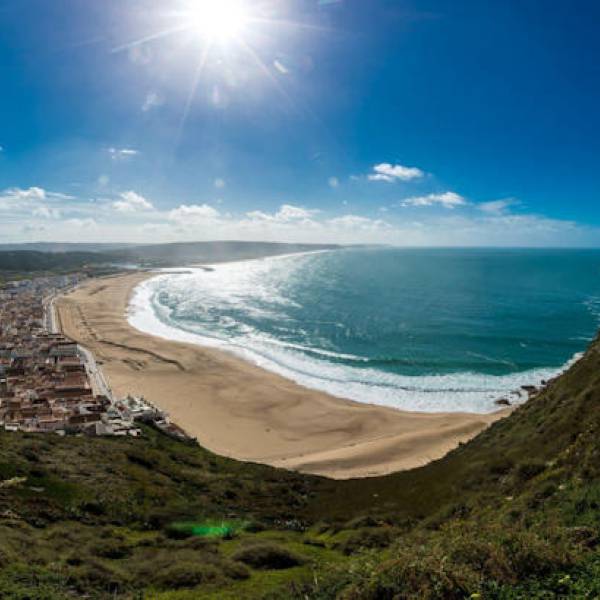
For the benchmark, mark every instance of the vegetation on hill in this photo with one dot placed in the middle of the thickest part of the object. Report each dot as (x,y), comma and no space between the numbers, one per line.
(59,247)
(28,261)
(20,261)
(184,253)
(513,514)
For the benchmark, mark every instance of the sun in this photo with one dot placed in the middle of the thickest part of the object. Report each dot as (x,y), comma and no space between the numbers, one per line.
(217,20)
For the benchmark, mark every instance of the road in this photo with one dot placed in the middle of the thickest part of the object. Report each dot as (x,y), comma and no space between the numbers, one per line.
(99,383)
(50,314)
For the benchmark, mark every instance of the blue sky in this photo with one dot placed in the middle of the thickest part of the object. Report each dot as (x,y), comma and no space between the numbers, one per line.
(404,122)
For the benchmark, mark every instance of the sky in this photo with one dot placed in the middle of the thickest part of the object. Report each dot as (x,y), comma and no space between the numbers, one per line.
(407,122)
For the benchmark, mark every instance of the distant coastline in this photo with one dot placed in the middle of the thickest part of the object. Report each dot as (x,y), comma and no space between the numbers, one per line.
(236,409)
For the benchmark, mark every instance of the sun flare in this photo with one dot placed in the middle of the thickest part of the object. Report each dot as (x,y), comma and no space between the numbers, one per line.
(218,20)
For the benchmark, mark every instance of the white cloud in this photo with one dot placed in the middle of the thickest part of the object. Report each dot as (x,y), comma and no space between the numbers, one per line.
(358,223)
(32,193)
(258,215)
(193,213)
(219,183)
(87,223)
(496,207)
(19,202)
(103,180)
(287,213)
(33,228)
(26,212)
(131,202)
(390,173)
(447,200)
(122,153)
(333,182)
(46,212)
(152,100)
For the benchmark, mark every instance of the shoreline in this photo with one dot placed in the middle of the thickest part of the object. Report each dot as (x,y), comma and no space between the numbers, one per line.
(237,409)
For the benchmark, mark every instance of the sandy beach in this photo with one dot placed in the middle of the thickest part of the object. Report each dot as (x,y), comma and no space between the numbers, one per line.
(239,410)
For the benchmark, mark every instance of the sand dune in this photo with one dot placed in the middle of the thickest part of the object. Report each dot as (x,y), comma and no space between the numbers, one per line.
(239,410)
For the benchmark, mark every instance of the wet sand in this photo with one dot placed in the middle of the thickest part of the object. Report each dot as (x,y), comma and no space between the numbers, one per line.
(237,409)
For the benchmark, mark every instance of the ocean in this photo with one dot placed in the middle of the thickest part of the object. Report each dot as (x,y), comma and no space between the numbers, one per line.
(416,329)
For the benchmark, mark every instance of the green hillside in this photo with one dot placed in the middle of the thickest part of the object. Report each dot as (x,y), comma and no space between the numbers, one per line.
(57,258)
(27,261)
(185,253)
(513,514)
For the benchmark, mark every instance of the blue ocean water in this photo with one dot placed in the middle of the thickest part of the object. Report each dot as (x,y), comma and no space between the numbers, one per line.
(417,329)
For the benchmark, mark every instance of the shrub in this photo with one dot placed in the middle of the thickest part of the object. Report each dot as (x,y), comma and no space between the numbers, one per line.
(267,556)
(200,543)
(585,536)
(96,574)
(235,570)
(186,574)
(93,508)
(361,523)
(4,558)
(178,533)
(501,466)
(380,537)
(111,548)
(255,527)
(146,459)
(528,470)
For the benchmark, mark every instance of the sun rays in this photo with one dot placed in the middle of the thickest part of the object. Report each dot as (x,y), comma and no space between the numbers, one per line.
(229,43)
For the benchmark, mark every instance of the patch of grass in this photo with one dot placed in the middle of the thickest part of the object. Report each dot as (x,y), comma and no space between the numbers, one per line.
(187,575)
(265,555)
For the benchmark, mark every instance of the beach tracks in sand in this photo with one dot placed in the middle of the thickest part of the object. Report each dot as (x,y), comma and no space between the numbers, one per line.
(84,327)
(239,410)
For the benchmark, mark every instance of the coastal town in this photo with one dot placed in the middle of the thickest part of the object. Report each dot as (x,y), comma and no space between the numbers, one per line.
(49,383)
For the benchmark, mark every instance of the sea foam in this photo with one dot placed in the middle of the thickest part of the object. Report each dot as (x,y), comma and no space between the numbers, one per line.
(341,374)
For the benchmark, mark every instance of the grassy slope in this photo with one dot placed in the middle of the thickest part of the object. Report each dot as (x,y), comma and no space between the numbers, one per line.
(24,261)
(514,513)
(182,253)
(18,262)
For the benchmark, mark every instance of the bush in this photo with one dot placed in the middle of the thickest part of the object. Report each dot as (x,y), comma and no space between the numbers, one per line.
(501,466)
(255,527)
(4,558)
(584,536)
(267,556)
(178,533)
(200,543)
(235,570)
(361,523)
(528,470)
(93,508)
(24,582)
(380,537)
(96,574)
(147,459)
(111,548)
(186,575)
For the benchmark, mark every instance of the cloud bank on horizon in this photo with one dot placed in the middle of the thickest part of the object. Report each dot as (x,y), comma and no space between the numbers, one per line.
(36,214)
(299,121)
